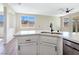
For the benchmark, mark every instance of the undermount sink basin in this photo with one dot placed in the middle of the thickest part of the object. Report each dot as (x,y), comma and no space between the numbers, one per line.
(52,32)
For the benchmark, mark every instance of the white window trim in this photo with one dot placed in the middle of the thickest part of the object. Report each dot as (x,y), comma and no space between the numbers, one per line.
(26,27)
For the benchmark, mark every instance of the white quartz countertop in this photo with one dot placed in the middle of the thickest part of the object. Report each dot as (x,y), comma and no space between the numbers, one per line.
(71,36)
(35,32)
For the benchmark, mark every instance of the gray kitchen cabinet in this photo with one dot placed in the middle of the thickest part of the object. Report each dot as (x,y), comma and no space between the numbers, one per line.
(47,49)
(48,45)
(37,45)
(27,45)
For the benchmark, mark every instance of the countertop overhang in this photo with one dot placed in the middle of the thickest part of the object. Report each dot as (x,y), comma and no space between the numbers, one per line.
(26,33)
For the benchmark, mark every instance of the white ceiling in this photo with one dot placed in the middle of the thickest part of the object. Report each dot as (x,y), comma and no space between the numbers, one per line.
(44,8)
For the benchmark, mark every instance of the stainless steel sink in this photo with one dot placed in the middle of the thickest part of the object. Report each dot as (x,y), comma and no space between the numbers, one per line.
(45,32)
(52,32)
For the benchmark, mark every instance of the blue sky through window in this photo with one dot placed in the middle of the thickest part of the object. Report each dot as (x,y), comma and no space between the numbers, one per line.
(1,18)
(28,18)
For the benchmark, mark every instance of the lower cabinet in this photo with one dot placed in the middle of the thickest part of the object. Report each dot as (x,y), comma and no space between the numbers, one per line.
(33,49)
(47,49)
(27,49)
(37,45)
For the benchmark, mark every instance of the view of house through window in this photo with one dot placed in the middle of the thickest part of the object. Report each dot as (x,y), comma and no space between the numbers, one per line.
(1,20)
(28,21)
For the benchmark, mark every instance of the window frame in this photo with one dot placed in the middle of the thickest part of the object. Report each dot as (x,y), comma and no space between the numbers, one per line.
(27,27)
(3,17)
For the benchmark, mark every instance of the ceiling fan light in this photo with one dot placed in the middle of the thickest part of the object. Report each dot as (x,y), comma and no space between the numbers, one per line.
(67,11)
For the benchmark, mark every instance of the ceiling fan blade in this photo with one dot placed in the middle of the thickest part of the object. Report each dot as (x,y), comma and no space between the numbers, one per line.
(67,10)
(61,9)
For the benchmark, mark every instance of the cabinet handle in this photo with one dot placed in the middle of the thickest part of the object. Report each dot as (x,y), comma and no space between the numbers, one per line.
(55,48)
(19,47)
(28,40)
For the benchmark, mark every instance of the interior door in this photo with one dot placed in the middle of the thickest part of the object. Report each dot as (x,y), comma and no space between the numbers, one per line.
(47,49)
(27,49)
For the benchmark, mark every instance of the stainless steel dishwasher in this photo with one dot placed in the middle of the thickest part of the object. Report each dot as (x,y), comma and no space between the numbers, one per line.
(70,47)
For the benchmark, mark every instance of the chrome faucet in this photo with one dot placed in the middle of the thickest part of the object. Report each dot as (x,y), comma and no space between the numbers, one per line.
(51,26)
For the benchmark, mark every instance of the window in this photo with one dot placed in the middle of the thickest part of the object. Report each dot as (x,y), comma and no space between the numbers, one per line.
(28,21)
(75,25)
(1,20)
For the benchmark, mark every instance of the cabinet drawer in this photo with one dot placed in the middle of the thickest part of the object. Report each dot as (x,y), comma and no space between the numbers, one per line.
(75,46)
(47,44)
(67,42)
(27,39)
(75,52)
(49,39)
(71,48)
(70,43)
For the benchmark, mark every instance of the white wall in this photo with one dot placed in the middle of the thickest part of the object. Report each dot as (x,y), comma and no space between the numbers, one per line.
(1,8)
(56,23)
(43,22)
(10,23)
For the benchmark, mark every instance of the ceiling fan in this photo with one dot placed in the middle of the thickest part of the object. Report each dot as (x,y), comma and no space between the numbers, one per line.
(67,10)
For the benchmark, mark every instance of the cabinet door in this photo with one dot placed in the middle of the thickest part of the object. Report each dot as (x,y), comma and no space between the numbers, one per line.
(47,49)
(27,49)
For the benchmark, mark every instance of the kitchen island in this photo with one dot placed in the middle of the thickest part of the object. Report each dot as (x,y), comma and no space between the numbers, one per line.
(37,43)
